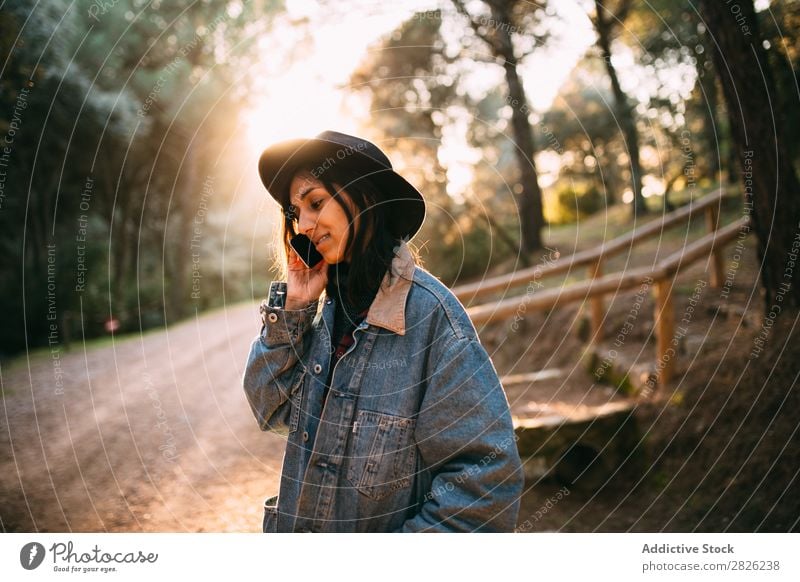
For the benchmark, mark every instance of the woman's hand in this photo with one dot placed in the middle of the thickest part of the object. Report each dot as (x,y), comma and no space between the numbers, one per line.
(304,285)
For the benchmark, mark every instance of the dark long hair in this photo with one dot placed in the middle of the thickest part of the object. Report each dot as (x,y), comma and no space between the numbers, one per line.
(373,245)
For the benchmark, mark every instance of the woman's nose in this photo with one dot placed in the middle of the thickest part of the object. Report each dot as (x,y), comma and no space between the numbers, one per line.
(305,224)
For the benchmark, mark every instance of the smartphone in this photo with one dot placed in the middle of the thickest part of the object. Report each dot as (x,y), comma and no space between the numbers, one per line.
(306,250)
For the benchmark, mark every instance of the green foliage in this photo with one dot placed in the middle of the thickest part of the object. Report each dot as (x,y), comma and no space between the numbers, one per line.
(116,112)
(409,87)
(571,201)
(467,250)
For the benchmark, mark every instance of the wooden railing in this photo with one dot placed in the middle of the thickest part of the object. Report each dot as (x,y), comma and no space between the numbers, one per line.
(661,277)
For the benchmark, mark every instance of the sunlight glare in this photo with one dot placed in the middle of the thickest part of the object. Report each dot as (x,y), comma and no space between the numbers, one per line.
(311,95)
(299,109)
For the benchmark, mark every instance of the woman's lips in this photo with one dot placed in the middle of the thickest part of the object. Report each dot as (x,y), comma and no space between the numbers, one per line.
(323,239)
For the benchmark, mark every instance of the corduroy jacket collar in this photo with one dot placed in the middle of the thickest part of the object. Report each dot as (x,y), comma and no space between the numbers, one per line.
(388,309)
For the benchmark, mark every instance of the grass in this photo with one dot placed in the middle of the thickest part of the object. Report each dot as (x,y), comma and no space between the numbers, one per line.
(617,220)
(589,233)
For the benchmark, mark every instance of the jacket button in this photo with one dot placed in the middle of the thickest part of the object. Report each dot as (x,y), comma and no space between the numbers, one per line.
(317,368)
(273,317)
(305,435)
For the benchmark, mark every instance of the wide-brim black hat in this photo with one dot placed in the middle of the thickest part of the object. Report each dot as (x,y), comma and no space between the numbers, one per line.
(279,162)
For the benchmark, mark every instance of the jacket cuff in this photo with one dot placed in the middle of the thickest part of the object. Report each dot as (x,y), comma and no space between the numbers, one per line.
(282,326)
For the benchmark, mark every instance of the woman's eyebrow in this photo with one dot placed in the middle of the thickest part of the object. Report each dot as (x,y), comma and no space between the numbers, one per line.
(304,192)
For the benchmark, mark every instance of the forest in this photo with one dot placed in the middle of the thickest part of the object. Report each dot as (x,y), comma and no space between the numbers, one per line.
(127,196)
(611,192)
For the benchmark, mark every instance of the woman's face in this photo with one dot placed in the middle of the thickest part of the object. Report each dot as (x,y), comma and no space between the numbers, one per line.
(320,217)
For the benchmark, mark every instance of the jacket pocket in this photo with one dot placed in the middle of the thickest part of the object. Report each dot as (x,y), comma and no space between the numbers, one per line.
(270,523)
(383,454)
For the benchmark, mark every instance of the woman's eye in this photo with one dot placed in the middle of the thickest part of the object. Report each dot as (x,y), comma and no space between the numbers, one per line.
(316,204)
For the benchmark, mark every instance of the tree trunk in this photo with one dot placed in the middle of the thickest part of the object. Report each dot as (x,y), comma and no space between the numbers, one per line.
(623,109)
(710,98)
(529,201)
(770,182)
(732,165)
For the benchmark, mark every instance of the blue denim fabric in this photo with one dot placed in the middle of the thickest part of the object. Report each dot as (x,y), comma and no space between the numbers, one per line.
(416,433)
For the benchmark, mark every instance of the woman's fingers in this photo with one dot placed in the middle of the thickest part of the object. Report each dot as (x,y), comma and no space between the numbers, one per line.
(295,263)
(305,285)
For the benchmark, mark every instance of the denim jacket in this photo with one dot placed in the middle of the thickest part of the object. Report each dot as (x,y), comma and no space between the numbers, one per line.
(416,432)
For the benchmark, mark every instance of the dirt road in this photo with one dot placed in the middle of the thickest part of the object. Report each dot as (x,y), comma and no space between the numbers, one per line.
(152,433)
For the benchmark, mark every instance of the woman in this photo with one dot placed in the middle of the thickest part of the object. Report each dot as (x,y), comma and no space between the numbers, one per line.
(395,417)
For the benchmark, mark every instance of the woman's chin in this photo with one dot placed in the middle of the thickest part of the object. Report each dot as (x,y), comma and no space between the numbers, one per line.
(330,258)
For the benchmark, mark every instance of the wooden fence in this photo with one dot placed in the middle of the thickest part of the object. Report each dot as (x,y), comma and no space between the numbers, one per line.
(597,286)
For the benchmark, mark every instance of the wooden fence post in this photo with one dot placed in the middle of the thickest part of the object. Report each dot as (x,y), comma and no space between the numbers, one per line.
(665,329)
(596,303)
(712,224)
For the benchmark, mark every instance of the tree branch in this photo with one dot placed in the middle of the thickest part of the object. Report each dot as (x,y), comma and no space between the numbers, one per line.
(614,18)
(622,11)
(475,25)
